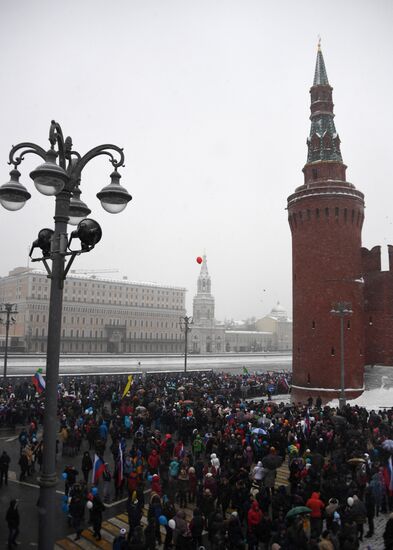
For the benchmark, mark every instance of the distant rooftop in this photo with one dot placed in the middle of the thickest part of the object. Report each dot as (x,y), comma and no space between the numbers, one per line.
(123,281)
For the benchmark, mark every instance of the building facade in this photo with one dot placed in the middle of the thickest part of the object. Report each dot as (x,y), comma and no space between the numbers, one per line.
(99,315)
(279,325)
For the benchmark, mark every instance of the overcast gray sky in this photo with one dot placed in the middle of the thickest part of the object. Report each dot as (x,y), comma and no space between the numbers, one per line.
(210,100)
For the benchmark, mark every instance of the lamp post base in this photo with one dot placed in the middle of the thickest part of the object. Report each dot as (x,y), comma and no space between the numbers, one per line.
(341,402)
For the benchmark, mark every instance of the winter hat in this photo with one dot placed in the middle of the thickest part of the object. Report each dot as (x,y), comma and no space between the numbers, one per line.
(350,501)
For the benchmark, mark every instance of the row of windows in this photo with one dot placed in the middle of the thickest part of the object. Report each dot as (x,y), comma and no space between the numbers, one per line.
(313,324)
(332,351)
(100,321)
(99,334)
(352,216)
(103,347)
(106,286)
(178,304)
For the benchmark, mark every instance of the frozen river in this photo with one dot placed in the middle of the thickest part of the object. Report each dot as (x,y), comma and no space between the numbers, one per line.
(112,364)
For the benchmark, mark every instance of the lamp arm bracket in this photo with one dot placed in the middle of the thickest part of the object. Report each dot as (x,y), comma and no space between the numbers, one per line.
(64,146)
(48,269)
(27,148)
(100,150)
(70,262)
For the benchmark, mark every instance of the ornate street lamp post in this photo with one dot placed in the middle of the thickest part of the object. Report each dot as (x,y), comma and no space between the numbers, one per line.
(59,175)
(8,309)
(342,310)
(185,323)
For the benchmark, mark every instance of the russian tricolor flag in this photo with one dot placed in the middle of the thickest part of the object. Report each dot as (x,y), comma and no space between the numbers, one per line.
(38,381)
(98,469)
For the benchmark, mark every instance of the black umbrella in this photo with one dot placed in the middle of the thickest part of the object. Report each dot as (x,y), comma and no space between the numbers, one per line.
(272,462)
(337,419)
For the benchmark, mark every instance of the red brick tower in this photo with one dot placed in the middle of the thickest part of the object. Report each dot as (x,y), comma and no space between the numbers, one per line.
(326,216)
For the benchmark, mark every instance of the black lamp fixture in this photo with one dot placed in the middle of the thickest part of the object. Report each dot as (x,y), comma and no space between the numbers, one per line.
(44,242)
(89,232)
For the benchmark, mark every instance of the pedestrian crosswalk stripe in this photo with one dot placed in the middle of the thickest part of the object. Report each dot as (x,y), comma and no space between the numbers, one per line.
(104,544)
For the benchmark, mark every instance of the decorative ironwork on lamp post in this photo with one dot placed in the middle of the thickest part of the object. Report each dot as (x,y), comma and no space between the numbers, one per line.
(60,175)
(342,310)
(185,323)
(8,310)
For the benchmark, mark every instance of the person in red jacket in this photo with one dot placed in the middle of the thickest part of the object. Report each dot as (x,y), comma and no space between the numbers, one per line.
(132,482)
(316,505)
(156,485)
(153,462)
(254,518)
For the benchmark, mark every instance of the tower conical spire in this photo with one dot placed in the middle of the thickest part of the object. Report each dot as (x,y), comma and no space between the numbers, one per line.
(320,75)
(204,282)
(323,142)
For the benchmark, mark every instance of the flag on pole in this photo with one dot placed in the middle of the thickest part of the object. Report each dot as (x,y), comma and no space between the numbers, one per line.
(284,383)
(120,466)
(98,469)
(307,427)
(128,386)
(245,370)
(390,467)
(39,381)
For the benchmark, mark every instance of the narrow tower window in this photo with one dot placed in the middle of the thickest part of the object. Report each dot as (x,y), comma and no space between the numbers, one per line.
(317,213)
(336,212)
(348,325)
(345,215)
(332,352)
(314,174)
(370,321)
(327,212)
(313,325)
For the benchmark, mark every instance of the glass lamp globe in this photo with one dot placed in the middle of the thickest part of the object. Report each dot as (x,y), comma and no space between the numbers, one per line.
(13,195)
(49,178)
(78,211)
(114,198)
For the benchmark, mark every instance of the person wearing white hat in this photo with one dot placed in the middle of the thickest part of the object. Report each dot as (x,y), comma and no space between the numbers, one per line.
(120,542)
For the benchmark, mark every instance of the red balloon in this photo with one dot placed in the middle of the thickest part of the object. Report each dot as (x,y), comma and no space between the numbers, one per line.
(199,260)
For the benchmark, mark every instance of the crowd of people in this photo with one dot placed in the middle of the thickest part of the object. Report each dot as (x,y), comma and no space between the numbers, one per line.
(200,461)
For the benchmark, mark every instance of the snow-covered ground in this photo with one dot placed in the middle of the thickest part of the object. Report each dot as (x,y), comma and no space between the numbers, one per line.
(374,398)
